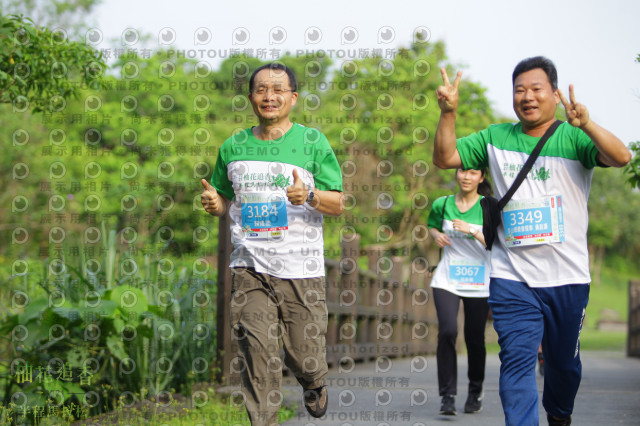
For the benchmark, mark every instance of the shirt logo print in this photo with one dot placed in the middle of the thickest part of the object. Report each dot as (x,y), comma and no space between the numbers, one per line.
(279,181)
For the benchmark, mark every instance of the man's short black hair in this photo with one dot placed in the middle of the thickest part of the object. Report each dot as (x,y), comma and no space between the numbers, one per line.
(275,66)
(541,62)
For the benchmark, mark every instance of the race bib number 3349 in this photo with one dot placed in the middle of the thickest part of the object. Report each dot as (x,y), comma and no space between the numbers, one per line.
(534,221)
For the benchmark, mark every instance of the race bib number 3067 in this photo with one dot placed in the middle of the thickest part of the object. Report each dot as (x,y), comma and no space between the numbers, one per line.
(534,221)
(467,274)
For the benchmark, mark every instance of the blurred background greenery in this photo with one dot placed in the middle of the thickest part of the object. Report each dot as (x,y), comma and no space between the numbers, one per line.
(101,225)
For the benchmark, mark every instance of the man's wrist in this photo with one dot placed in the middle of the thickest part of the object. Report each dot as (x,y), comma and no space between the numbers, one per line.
(222,207)
(311,196)
(450,114)
(588,127)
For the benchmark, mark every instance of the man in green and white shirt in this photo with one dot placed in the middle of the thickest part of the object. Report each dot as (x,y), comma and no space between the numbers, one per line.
(539,285)
(277,180)
(270,234)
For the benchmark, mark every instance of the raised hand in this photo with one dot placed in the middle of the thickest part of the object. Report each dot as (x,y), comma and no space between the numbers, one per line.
(448,94)
(297,193)
(211,201)
(577,114)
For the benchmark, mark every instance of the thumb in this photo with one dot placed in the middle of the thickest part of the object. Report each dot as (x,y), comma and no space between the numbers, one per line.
(296,179)
(207,185)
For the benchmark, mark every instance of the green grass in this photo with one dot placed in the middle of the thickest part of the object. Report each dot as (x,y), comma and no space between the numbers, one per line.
(596,340)
(214,410)
(493,348)
(611,293)
(218,413)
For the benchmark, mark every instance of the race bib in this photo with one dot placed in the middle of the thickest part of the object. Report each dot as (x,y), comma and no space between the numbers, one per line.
(533,221)
(467,274)
(264,215)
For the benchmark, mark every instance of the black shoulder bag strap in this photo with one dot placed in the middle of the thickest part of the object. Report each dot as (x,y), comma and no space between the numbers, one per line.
(528,164)
(444,209)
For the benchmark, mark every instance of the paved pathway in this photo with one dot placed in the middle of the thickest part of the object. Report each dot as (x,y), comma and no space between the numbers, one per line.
(405,393)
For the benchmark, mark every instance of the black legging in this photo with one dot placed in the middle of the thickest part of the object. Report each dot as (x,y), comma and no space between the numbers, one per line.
(476,310)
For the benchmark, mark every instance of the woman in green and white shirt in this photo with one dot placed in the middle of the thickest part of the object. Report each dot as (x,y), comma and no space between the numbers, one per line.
(455,224)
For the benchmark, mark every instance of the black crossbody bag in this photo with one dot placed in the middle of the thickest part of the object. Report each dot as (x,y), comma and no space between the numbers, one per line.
(492,208)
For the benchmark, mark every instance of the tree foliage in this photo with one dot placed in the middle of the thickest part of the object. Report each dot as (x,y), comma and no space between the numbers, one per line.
(141,141)
(42,69)
(633,168)
(132,151)
(69,16)
(613,211)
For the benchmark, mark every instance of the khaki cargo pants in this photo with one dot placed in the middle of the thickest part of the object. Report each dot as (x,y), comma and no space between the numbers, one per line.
(264,310)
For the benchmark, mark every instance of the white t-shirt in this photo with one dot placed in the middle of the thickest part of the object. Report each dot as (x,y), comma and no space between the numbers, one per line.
(563,169)
(465,264)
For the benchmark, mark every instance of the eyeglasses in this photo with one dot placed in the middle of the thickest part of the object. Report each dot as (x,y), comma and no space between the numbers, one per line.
(274,90)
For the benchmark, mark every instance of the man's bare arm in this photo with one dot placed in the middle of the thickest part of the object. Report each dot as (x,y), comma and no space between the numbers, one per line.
(326,202)
(445,151)
(611,150)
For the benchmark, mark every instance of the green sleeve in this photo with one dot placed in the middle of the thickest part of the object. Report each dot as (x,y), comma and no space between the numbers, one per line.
(585,148)
(220,179)
(326,170)
(473,150)
(435,215)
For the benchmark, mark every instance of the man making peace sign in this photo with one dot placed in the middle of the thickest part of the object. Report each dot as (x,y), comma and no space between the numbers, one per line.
(539,285)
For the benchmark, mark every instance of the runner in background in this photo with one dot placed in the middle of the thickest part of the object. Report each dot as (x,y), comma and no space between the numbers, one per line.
(455,224)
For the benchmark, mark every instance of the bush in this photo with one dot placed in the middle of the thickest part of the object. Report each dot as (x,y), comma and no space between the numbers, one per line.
(106,330)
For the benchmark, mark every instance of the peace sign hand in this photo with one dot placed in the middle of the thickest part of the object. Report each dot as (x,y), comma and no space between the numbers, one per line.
(577,114)
(448,94)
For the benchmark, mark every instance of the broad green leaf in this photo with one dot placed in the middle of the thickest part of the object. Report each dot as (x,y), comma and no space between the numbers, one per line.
(129,300)
(116,346)
(33,310)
